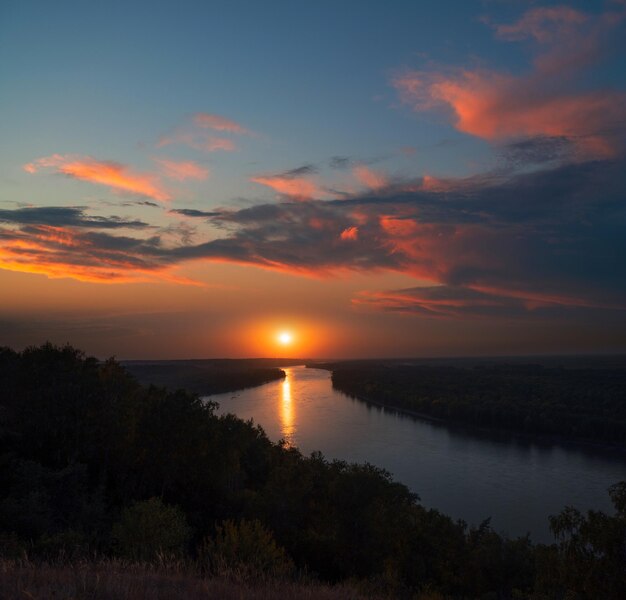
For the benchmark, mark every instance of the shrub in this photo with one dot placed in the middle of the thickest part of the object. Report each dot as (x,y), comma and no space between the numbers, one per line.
(246,549)
(147,529)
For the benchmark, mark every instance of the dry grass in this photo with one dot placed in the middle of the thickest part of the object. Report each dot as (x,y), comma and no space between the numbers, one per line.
(114,579)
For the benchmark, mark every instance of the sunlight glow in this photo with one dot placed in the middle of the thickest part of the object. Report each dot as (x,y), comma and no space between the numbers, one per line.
(285,338)
(286,411)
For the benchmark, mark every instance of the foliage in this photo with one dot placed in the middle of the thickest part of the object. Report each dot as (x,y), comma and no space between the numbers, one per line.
(589,560)
(93,462)
(149,529)
(578,403)
(245,547)
(207,377)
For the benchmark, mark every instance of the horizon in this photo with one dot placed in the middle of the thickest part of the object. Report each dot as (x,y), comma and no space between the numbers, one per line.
(382,358)
(427,180)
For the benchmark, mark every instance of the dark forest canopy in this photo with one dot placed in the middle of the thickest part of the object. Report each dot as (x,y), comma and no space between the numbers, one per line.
(211,376)
(581,399)
(93,462)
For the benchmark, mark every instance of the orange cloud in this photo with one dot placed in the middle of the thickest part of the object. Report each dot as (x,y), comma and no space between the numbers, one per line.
(182,170)
(110,174)
(62,252)
(435,184)
(494,106)
(297,188)
(350,233)
(219,123)
(372,179)
(198,141)
(397,227)
(549,100)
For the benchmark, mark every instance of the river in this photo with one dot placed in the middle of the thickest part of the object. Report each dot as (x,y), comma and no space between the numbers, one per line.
(464,474)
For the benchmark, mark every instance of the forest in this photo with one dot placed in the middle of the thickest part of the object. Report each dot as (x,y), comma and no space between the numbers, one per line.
(206,377)
(96,468)
(576,402)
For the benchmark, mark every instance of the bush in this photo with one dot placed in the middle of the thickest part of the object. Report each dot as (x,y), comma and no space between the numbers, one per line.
(149,528)
(246,549)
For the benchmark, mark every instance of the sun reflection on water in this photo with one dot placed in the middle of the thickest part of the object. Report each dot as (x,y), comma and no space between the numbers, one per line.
(286,411)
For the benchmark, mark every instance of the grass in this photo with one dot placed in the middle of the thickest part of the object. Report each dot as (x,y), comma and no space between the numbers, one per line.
(115,579)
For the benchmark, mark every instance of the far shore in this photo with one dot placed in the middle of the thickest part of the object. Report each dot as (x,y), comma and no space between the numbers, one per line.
(549,439)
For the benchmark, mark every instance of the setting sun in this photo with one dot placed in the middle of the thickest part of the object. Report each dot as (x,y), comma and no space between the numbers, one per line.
(285,338)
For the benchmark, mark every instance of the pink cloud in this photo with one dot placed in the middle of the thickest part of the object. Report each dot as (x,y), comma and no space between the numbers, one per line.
(182,170)
(495,106)
(435,184)
(547,101)
(111,174)
(218,123)
(372,179)
(198,141)
(297,188)
(195,135)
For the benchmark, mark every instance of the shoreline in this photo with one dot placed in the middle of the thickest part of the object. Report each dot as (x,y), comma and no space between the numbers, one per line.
(538,438)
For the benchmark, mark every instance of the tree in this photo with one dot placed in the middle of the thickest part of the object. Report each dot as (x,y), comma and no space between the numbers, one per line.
(147,529)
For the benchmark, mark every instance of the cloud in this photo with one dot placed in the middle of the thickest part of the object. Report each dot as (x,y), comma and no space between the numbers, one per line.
(551,100)
(289,184)
(307,169)
(339,162)
(508,242)
(531,237)
(182,170)
(85,256)
(496,106)
(197,141)
(218,123)
(191,212)
(448,301)
(538,150)
(110,174)
(544,24)
(372,179)
(198,133)
(62,216)
(350,233)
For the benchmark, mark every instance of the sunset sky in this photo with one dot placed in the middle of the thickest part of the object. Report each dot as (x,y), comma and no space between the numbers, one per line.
(189,179)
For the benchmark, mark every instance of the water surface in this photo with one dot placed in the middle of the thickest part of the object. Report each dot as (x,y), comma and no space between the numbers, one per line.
(467,475)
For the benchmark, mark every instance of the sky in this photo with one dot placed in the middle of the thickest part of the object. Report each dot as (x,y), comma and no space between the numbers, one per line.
(379,179)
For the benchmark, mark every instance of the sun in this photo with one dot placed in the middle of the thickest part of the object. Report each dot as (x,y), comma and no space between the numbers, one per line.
(285,338)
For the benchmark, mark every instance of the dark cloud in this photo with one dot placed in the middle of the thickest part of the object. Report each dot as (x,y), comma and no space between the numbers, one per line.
(308,169)
(191,212)
(339,162)
(449,301)
(499,243)
(61,216)
(538,150)
(556,233)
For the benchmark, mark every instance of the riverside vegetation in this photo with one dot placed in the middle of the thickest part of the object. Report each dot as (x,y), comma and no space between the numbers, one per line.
(580,402)
(112,489)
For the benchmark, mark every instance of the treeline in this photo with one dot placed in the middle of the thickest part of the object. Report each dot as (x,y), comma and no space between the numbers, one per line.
(206,377)
(577,403)
(93,463)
